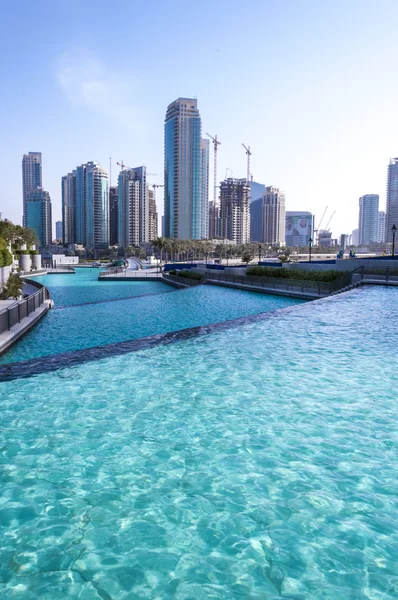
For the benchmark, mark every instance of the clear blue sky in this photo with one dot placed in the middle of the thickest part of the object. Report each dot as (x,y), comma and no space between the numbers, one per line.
(310,85)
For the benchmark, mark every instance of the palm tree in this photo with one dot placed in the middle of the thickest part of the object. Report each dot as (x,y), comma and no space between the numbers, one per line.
(159,244)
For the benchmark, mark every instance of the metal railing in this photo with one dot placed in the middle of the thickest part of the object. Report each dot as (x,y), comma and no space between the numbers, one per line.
(14,313)
(303,286)
(122,272)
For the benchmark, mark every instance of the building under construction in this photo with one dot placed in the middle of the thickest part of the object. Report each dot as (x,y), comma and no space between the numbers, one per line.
(235,210)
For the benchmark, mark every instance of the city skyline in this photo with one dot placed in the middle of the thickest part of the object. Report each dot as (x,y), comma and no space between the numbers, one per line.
(319,134)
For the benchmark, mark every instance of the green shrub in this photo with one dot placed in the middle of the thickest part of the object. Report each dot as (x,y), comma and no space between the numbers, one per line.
(172,272)
(16,256)
(24,252)
(189,274)
(298,274)
(5,255)
(13,288)
(34,252)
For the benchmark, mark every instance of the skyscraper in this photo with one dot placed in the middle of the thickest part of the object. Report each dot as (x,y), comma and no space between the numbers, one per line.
(59,230)
(381,227)
(183,210)
(392,198)
(235,210)
(68,208)
(368,218)
(85,206)
(31,176)
(257,191)
(38,215)
(204,189)
(133,210)
(153,215)
(113,215)
(274,217)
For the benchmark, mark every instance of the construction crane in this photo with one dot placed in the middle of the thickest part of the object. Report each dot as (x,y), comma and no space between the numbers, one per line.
(216,143)
(226,172)
(327,226)
(247,148)
(319,226)
(123,166)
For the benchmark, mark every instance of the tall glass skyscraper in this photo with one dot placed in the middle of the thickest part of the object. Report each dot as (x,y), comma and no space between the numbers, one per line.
(38,215)
(204,189)
(368,218)
(85,206)
(183,201)
(31,177)
(392,198)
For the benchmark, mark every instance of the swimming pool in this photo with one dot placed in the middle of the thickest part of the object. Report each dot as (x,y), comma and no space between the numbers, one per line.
(149,313)
(83,287)
(257,462)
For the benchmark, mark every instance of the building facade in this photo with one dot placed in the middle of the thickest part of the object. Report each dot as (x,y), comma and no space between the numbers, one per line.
(85,207)
(235,210)
(392,198)
(183,210)
(204,189)
(133,207)
(113,215)
(257,191)
(299,228)
(153,215)
(214,221)
(355,237)
(38,215)
(381,227)
(368,222)
(273,217)
(31,177)
(59,234)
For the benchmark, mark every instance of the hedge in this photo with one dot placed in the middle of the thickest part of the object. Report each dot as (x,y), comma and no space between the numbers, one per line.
(5,255)
(298,274)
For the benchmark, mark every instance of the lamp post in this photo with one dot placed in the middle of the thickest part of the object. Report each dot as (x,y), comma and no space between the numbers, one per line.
(394,231)
(309,245)
(206,255)
(259,253)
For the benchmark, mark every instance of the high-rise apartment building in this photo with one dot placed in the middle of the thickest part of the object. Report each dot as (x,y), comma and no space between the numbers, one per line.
(214,221)
(68,189)
(235,210)
(59,235)
(113,215)
(392,198)
(368,218)
(204,189)
(257,191)
(31,177)
(38,215)
(381,227)
(274,217)
(299,228)
(153,215)
(133,209)
(85,206)
(183,202)
(355,237)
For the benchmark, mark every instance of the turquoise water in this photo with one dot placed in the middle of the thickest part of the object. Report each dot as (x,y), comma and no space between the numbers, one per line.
(86,326)
(256,463)
(84,287)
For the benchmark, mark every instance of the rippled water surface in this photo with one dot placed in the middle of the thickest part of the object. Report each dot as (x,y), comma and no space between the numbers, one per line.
(83,287)
(152,311)
(255,463)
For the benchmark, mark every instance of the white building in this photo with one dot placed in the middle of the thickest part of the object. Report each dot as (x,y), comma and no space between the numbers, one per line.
(133,207)
(368,218)
(381,227)
(392,199)
(355,237)
(274,217)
